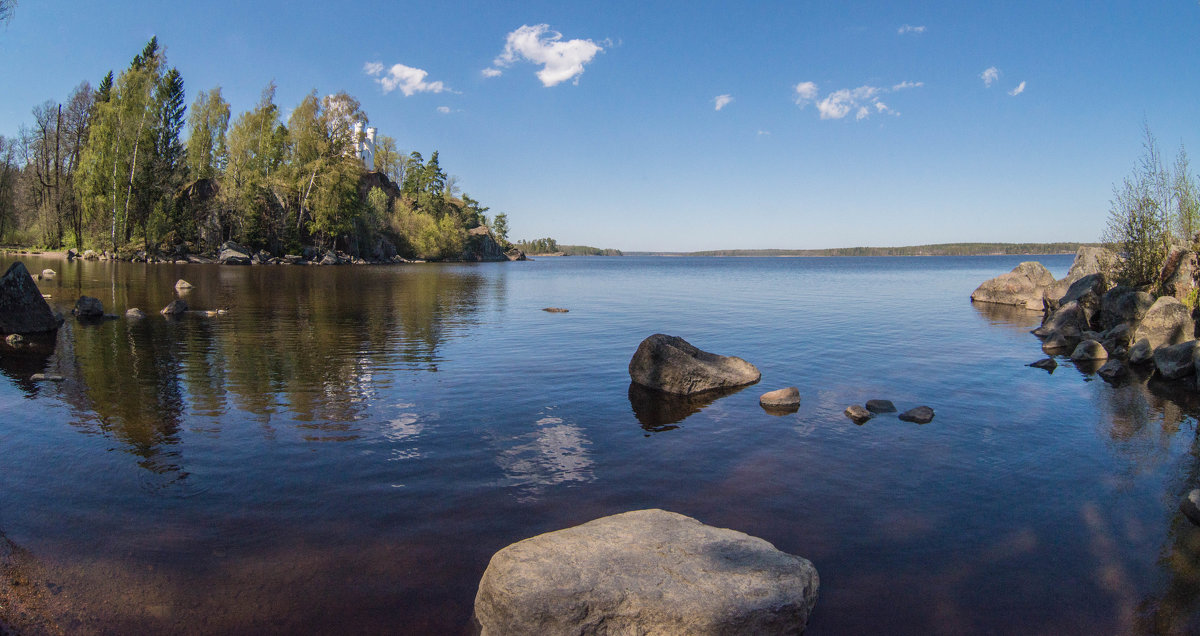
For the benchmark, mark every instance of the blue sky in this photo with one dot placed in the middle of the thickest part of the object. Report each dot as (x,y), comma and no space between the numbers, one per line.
(619,142)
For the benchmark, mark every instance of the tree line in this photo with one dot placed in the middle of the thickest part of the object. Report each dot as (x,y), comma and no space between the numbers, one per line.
(128,166)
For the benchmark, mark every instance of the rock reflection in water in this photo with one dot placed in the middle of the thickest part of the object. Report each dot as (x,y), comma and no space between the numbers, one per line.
(658,411)
(1008,316)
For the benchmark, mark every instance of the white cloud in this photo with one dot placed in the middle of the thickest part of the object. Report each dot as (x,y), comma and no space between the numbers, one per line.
(560,60)
(764,133)
(805,93)
(860,101)
(1018,90)
(445,110)
(409,80)
(492,72)
(722,101)
(990,75)
(908,28)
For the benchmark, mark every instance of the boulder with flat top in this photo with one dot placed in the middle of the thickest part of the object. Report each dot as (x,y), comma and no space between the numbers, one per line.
(1025,286)
(645,572)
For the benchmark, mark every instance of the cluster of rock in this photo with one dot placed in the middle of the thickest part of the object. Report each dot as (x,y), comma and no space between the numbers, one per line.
(645,572)
(1097,322)
(860,414)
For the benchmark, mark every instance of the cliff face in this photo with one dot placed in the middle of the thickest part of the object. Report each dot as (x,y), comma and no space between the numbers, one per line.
(481,247)
(377,180)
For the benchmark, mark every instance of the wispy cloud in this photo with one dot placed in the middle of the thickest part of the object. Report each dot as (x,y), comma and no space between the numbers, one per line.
(862,101)
(764,133)
(1018,90)
(721,101)
(445,110)
(560,61)
(409,80)
(492,72)
(908,28)
(806,92)
(989,76)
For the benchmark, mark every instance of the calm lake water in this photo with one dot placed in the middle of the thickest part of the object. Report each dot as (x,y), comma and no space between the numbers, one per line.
(347,447)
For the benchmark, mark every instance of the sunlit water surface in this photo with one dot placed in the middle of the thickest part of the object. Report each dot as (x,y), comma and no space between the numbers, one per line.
(345,449)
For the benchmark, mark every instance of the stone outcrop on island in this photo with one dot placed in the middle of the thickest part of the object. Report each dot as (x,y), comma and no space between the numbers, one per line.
(1025,286)
(22,307)
(645,572)
(672,365)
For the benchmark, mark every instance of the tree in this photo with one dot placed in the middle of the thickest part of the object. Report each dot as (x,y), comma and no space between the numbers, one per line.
(9,171)
(207,125)
(389,159)
(6,9)
(257,143)
(1187,199)
(500,227)
(1139,223)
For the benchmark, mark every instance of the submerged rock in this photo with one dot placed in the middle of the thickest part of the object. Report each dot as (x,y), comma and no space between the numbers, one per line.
(857,413)
(46,377)
(672,365)
(22,307)
(1045,363)
(881,406)
(134,313)
(645,572)
(780,398)
(1112,370)
(658,412)
(555,310)
(1024,286)
(920,415)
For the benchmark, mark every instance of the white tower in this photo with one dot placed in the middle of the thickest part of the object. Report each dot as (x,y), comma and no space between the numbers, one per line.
(364,147)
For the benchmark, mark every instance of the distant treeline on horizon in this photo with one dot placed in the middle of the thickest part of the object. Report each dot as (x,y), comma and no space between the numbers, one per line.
(943,249)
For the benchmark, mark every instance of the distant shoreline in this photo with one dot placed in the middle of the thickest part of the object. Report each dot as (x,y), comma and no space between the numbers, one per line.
(942,249)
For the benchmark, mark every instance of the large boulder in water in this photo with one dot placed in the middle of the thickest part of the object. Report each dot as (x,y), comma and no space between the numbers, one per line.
(1123,305)
(22,307)
(1086,291)
(88,308)
(645,572)
(1025,286)
(1176,361)
(1167,322)
(672,365)
(1069,320)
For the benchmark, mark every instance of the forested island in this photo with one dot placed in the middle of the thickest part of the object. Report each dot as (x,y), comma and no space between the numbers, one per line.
(941,249)
(551,247)
(110,169)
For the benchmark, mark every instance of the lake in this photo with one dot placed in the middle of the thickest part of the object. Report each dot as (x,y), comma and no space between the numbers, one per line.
(344,450)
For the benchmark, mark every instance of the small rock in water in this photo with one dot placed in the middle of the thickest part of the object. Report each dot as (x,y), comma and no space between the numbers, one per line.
(183,284)
(1045,363)
(857,413)
(134,313)
(176,308)
(789,396)
(1190,506)
(920,415)
(1089,350)
(48,273)
(15,340)
(46,377)
(1111,370)
(555,310)
(88,307)
(881,406)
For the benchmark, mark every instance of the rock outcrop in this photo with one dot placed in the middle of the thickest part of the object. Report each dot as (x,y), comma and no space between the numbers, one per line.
(1089,350)
(671,365)
(1025,286)
(1178,277)
(481,247)
(645,572)
(1167,322)
(22,307)
(233,254)
(175,308)
(1123,305)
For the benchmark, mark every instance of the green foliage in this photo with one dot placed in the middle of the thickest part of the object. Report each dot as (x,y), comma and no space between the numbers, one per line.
(1192,299)
(1139,222)
(207,126)
(500,228)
